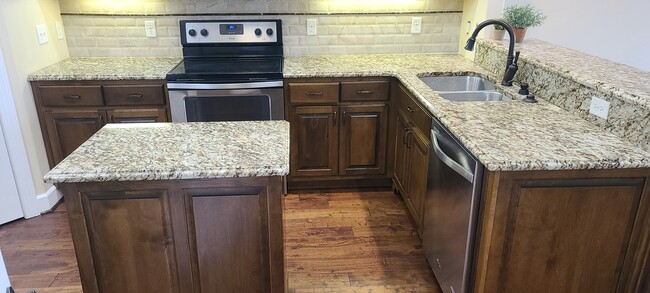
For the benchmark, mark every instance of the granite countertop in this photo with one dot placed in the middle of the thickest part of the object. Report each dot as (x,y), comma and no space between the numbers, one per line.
(508,135)
(161,151)
(106,68)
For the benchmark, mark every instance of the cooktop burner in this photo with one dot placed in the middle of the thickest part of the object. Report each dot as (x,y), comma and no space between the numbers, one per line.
(229,51)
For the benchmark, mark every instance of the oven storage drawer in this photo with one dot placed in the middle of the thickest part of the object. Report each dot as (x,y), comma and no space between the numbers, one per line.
(118,95)
(90,95)
(364,90)
(316,93)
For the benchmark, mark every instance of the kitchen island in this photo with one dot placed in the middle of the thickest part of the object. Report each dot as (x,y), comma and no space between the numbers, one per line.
(182,207)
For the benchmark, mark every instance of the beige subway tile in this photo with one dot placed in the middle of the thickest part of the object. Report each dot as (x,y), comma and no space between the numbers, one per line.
(94,32)
(78,52)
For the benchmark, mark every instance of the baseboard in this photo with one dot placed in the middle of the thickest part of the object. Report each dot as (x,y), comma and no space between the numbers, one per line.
(49,199)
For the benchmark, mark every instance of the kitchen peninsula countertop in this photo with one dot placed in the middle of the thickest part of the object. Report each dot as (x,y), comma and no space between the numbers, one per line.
(162,151)
(106,68)
(508,135)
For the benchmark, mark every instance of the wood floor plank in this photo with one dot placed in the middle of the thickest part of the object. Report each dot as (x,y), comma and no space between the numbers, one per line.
(334,242)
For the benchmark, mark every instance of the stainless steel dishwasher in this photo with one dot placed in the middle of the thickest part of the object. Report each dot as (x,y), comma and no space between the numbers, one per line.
(451,209)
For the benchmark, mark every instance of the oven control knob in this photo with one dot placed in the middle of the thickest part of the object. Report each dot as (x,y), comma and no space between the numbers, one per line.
(269,31)
(192,32)
(258,32)
(204,32)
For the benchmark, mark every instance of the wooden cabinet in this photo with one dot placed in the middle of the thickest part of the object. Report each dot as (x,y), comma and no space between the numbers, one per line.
(71,111)
(564,231)
(217,235)
(362,137)
(335,140)
(412,144)
(314,140)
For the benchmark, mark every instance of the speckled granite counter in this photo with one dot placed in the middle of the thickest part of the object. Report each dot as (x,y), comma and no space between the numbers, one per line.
(508,135)
(106,68)
(132,152)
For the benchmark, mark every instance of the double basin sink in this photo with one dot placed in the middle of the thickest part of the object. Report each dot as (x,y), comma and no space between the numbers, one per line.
(463,88)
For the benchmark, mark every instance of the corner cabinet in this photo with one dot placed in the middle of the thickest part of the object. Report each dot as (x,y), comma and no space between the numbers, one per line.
(412,143)
(70,112)
(339,131)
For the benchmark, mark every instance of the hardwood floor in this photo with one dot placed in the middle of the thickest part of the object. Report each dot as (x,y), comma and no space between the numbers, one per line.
(335,242)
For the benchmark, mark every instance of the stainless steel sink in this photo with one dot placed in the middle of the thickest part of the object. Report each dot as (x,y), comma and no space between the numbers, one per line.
(472,96)
(463,88)
(458,83)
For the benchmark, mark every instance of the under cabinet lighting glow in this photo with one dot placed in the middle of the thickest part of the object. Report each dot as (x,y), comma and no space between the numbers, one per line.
(370,4)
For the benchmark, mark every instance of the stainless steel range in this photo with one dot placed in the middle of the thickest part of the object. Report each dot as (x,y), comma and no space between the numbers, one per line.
(231,71)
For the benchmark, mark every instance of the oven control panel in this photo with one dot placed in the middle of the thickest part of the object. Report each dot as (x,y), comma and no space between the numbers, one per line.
(236,31)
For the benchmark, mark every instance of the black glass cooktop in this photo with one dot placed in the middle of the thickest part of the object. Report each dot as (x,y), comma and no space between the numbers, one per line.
(227,69)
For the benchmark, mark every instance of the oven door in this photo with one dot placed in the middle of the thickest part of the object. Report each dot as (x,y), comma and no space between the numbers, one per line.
(226,102)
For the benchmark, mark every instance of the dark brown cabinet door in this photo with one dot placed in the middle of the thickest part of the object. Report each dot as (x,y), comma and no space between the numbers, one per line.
(314,140)
(401,153)
(362,136)
(67,130)
(137,115)
(131,241)
(417,178)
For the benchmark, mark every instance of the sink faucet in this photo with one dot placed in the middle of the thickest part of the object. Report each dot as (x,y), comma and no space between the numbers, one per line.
(511,63)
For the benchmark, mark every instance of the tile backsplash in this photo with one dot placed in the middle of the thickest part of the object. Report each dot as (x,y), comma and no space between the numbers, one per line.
(116,28)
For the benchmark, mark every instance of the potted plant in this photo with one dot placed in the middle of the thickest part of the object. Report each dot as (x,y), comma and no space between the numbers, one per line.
(521,17)
(498,32)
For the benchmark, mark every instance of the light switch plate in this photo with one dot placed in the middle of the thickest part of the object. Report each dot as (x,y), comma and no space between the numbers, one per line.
(41,33)
(60,34)
(311,27)
(150,28)
(599,107)
(416,25)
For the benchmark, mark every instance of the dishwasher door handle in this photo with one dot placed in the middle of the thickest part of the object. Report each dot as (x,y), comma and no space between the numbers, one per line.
(467,174)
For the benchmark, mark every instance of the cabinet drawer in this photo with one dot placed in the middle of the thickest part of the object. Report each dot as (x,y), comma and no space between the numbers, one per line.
(90,95)
(304,92)
(364,90)
(418,114)
(116,95)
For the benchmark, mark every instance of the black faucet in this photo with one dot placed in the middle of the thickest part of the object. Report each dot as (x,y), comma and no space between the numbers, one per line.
(511,63)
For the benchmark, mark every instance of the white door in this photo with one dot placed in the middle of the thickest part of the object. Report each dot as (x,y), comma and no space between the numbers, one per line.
(10,208)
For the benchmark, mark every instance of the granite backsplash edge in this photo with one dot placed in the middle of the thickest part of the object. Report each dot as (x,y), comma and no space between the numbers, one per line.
(629,114)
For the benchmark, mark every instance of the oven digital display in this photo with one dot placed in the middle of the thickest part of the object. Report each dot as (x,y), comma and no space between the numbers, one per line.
(231,29)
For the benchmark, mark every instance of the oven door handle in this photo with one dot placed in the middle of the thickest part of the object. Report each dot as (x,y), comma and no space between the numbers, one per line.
(224,86)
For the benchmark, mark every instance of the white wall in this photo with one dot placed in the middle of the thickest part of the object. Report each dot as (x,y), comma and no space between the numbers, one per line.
(22,55)
(4,278)
(614,30)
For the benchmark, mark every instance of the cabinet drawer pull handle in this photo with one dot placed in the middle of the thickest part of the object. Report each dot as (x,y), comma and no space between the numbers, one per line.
(409,109)
(406,133)
(336,116)
(364,92)
(343,117)
(134,96)
(74,97)
(314,93)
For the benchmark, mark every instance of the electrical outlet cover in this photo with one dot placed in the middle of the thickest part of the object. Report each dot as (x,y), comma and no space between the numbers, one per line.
(150,28)
(599,107)
(60,34)
(311,27)
(416,25)
(41,34)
